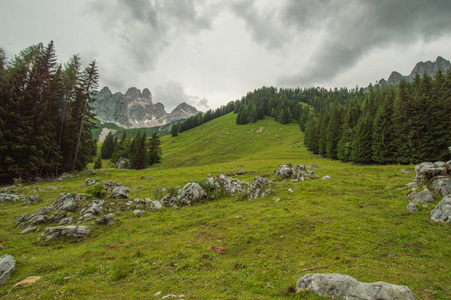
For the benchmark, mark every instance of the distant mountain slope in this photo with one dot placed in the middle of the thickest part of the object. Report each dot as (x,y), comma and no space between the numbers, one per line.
(135,109)
(428,67)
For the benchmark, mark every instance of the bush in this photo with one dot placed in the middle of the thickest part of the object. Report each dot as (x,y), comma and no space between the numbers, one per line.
(97,190)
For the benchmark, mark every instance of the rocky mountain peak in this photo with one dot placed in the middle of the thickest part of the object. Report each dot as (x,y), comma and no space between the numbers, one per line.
(135,109)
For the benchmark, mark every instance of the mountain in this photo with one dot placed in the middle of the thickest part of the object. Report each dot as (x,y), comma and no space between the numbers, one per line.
(135,109)
(428,67)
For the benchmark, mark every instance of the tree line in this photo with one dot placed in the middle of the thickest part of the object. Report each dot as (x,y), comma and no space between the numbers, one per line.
(408,123)
(141,151)
(45,113)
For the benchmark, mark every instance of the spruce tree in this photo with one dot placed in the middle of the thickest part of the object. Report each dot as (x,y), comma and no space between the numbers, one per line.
(107,150)
(361,144)
(154,150)
(333,133)
(382,135)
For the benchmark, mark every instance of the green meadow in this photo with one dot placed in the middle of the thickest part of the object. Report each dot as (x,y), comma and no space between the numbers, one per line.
(355,224)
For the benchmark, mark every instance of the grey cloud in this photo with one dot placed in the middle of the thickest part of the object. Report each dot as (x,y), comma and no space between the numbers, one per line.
(172,94)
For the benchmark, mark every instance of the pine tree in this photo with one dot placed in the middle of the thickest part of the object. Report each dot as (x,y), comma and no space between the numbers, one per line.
(154,150)
(119,148)
(361,144)
(311,134)
(402,122)
(382,139)
(333,133)
(107,150)
(98,164)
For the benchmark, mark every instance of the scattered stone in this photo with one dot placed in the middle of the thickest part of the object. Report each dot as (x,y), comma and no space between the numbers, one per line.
(29,229)
(277,199)
(51,188)
(428,170)
(312,166)
(23,218)
(155,205)
(218,249)
(290,190)
(94,208)
(404,171)
(66,201)
(169,201)
(424,196)
(412,207)
(230,185)
(7,266)
(442,186)
(57,217)
(257,187)
(27,281)
(65,221)
(91,181)
(191,192)
(10,197)
(138,213)
(86,217)
(284,171)
(442,212)
(65,176)
(38,220)
(120,192)
(139,206)
(339,286)
(327,177)
(51,233)
(36,189)
(105,220)
(111,184)
(33,199)
(267,193)
(123,163)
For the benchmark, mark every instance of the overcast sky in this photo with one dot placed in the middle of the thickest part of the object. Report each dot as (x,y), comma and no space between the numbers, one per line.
(207,52)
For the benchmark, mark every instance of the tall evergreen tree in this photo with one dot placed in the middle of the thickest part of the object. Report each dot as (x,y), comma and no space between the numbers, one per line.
(107,150)
(154,149)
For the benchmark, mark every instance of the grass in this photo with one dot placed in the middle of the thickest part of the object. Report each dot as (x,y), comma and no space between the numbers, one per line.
(356,223)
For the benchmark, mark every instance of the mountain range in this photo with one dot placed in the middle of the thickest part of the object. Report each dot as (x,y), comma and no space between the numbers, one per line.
(429,68)
(135,109)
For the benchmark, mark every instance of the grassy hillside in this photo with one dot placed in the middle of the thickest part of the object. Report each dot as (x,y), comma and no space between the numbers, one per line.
(355,224)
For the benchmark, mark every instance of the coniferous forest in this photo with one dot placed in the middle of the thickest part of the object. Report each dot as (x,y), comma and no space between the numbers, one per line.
(46,116)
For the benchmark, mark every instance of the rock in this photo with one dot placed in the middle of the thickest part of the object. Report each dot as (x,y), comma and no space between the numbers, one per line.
(40,212)
(138,213)
(33,199)
(412,207)
(290,191)
(51,188)
(123,163)
(111,184)
(139,206)
(442,186)
(428,170)
(257,187)
(404,171)
(38,220)
(424,196)
(10,197)
(442,212)
(340,286)
(51,233)
(327,177)
(155,205)
(191,192)
(230,185)
(267,193)
(106,220)
(57,217)
(66,201)
(312,166)
(65,176)
(29,229)
(284,171)
(7,266)
(23,218)
(65,221)
(86,217)
(94,208)
(120,192)
(169,201)
(91,181)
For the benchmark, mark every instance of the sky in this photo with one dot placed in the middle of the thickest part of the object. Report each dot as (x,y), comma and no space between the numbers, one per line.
(209,52)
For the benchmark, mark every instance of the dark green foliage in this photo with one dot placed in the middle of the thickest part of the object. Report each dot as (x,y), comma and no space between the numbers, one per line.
(138,152)
(98,164)
(107,150)
(40,132)
(154,150)
(97,190)
(202,118)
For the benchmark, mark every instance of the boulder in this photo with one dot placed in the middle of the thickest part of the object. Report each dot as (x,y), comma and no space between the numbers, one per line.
(428,170)
(57,217)
(312,166)
(191,192)
(327,177)
(10,197)
(138,213)
(339,286)
(40,219)
(230,185)
(154,205)
(106,220)
(120,192)
(284,171)
(66,201)
(123,163)
(7,266)
(29,229)
(169,201)
(21,221)
(65,221)
(442,186)
(91,181)
(94,208)
(51,233)
(412,207)
(424,196)
(33,199)
(111,184)
(442,212)
(257,187)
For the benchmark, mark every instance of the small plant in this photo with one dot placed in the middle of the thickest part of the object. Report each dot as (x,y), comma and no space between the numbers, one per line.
(98,164)
(173,190)
(158,194)
(18,181)
(97,190)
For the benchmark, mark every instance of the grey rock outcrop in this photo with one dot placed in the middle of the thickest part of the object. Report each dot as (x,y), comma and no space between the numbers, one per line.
(428,170)
(7,267)
(136,109)
(106,220)
(138,212)
(94,208)
(169,201)
(257,188)
(412,207)
(123,163)
(442,186)
(312,166)
(51,233)
(33,199)
(120,192)
(230,185)
(10,197)
(284,171)
(155,205)
(21,221)
(339,286)
(425,196)
(442,212)
(191,192)
(66,201)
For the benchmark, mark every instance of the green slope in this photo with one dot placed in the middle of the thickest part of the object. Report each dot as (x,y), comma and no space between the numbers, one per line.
(355,224)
